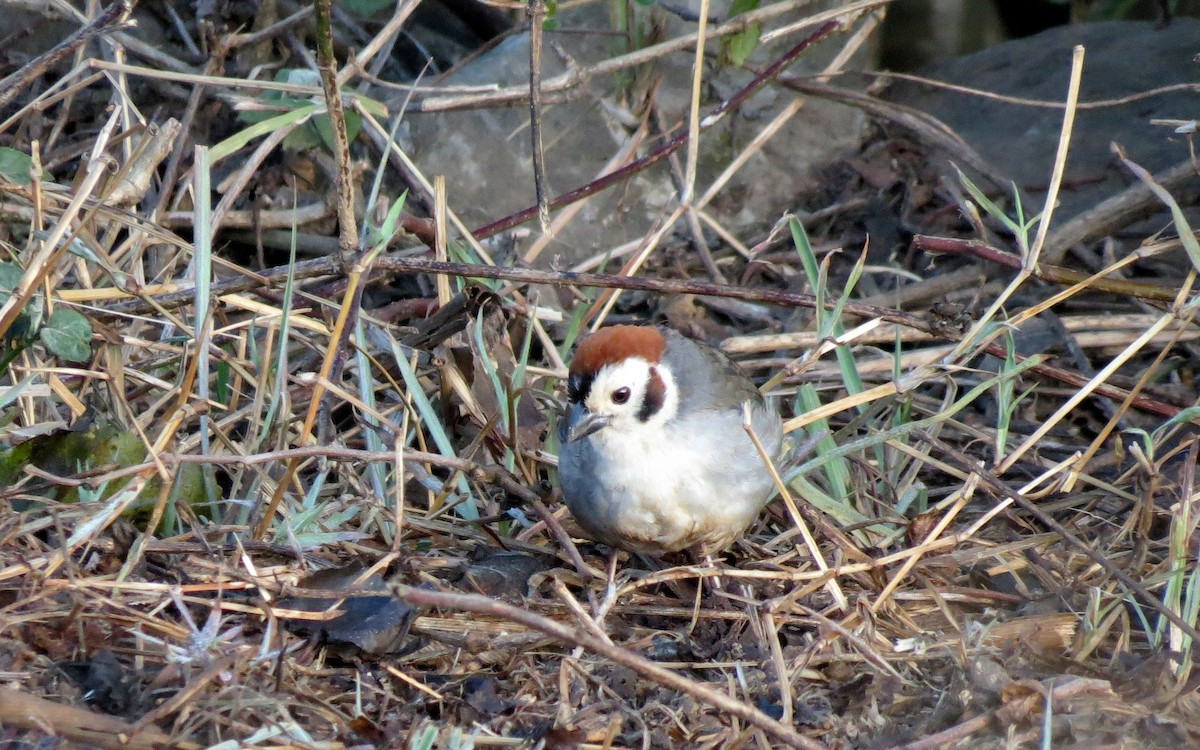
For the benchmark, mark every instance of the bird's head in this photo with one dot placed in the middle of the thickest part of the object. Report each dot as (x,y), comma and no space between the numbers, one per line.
(620,382)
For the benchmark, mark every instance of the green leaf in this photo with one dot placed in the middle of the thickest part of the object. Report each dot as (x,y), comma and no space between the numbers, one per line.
(15,165)
(10,277)
(68,334)
(27,323)
(11,395)
(374,107)
(261,127)
(282,109)
(742,44)
(391,224)
(1182,228)
(425,740)
(21,333)
(325,130)
(738,47)
(287,110)
(224,371)
(305,137)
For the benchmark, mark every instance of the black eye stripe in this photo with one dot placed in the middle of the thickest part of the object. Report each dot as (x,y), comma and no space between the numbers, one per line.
(578,388)
(656,396)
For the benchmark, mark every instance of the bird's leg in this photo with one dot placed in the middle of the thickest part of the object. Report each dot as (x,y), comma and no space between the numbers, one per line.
(600,609)
(705,559)
(610,593)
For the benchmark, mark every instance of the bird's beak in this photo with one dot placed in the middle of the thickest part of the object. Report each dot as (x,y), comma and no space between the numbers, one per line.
(581,422)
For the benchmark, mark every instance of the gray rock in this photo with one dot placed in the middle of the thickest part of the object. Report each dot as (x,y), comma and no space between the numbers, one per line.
(1122,59)
(485,153)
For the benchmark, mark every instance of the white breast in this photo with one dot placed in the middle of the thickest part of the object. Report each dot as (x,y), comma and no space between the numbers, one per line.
(677,486)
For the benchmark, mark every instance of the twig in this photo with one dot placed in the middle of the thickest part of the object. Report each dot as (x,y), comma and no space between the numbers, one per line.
(691,215)
(730,104)
(925,126)
(998,487)
(1108,216)
(14,84)
(240,39)
(482,605)
(1060,159)
(536,11)
(576,77)
(55,244)
(562,537)
(959,732)
(397,264)
(157,255)
(693,129)
(1043,271)
(327,64)
(19,709)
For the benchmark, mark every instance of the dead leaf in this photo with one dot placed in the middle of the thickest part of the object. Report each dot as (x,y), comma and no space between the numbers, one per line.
(373,624)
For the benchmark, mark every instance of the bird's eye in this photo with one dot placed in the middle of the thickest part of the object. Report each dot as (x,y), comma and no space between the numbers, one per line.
(620,396)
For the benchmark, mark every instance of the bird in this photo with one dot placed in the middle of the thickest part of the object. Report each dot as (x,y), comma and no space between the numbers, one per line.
(653,454)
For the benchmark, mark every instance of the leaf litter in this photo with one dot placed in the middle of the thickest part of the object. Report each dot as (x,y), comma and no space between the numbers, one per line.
(420,584)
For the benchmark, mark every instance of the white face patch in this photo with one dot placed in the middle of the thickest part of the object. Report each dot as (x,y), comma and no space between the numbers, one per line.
(620,391)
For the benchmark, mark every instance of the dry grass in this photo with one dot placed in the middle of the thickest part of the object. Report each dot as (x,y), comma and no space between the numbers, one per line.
(985,548)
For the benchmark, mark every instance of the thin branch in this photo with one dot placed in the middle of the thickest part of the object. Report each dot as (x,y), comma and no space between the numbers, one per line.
(88,727)
(536,11)
(1119,211)
(1043,271)
(1000,489)
(482,605)
(109,18)
(727,106)
(327,65)
(1025,706)
(397,264)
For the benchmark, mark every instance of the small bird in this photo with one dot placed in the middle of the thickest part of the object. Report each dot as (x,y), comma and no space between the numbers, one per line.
(653,454)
